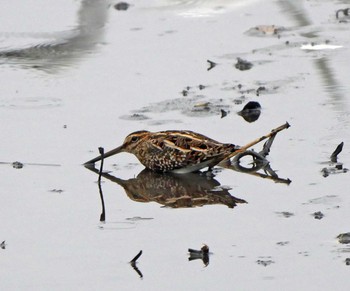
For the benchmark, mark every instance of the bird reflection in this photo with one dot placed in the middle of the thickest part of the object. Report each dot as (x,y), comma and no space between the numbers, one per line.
(175,191)
(193,189)
(67,47)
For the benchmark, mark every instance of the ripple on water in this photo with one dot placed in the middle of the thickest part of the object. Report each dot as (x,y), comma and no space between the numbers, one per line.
(30,102)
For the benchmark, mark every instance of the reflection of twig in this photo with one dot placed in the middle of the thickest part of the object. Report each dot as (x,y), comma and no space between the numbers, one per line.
(103,214)
(133,264)
(254,142)
(259,161)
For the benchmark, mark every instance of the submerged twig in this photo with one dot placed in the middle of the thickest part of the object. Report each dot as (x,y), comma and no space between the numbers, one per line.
(103,214)
(102,151)
(211,65)
(133,264)
(133,261)
(254,142)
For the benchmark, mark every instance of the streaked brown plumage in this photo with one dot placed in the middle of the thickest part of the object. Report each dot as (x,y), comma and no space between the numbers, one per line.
(180,151)
(177,151)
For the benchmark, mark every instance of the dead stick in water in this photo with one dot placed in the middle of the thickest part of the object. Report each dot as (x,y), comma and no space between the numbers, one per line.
(102,151)
(133,261)
(103,213)
(133,264)
(254,142)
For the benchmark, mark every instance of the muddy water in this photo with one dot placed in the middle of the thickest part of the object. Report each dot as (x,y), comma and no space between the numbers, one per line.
(77,75)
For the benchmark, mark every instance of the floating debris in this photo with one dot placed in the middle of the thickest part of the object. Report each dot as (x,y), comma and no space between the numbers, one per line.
(17,165)
(122,6)
(202,106)
(318,47)
(251,111)
(261,88)
(59,191)
(282,243)
(318,215)
(223,113)
(265,30)
(285,214)
(334,155)
(335,167)
(243,65)
(344,238)
(265,263)
(347,261)
(204,250)
(135,116)
(333,170)
(211,65)
(202,254)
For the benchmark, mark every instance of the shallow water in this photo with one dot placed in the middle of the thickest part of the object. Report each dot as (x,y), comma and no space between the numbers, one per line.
(77,75)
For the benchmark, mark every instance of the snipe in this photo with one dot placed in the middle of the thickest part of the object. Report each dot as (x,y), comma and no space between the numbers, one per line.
(172,150)
(178,151)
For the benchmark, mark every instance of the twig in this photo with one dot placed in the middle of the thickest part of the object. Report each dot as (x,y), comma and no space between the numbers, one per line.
(103,213)
(334,155)
(133,264)
(133,261)
(254,142)
(102,151)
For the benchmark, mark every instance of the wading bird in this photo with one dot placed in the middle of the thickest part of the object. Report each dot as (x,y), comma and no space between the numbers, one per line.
(178,151)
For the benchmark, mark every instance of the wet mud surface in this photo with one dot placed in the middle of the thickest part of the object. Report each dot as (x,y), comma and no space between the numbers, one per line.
(80,75)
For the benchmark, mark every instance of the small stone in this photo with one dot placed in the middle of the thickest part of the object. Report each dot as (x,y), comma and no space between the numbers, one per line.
(17,165)
(318,215)
(184,93)
(243,65)
(122,6)
(344,238)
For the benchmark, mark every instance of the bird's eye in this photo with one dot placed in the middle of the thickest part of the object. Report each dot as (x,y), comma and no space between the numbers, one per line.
(134,138)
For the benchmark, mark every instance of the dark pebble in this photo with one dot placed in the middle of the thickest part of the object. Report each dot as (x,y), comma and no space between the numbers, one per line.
(17,165)
(122,6)
(344,238)
(243,65)
(318,215)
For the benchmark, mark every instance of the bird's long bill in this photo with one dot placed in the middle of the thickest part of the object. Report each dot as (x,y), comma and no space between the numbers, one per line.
(106,155)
